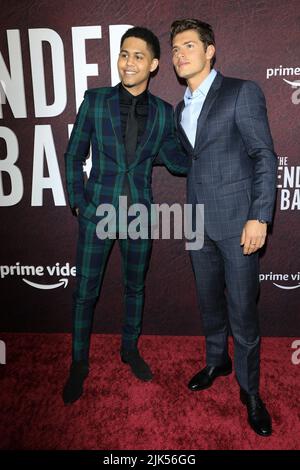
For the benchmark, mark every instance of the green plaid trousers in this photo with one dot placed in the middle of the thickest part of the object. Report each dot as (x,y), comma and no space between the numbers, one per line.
(91,258)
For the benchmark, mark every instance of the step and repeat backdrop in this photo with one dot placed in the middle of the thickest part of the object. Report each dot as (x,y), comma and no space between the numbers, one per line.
(50,52)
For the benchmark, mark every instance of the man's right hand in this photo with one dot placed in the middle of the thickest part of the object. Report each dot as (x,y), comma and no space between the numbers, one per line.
(77,211)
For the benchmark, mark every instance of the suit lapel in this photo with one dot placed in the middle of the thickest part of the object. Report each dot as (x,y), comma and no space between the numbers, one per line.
(114,112)
(183,137)
(150,125)
(209,101)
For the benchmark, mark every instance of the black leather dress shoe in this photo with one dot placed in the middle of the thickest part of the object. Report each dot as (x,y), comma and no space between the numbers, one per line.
(205,378)
(258,416)
(138,366)
(73,388)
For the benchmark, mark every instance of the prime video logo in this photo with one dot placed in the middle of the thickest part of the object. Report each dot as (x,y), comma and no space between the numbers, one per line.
(284,72)
(281,280)
(287,72)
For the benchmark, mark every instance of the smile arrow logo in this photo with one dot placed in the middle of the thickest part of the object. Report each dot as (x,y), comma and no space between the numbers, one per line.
(62,282)
(293,84)
(286,287)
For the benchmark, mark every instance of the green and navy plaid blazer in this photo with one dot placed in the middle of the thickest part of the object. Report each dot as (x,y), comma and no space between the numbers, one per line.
(98,124)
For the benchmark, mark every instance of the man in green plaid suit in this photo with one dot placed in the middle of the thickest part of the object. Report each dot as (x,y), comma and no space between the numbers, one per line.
(129,130)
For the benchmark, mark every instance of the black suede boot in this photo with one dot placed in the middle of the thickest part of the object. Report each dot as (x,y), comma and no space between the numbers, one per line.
(138,366)
(73,388)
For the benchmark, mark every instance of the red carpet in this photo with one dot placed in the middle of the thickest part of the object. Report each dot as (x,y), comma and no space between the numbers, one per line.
(119,412)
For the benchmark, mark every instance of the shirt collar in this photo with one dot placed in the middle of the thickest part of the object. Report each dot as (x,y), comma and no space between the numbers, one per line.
(127,97)
(202,89)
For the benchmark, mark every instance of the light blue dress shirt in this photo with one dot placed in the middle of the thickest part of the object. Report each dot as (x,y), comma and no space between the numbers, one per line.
(193,105)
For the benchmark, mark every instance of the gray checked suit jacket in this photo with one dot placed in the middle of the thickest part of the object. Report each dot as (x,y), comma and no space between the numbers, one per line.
(233,165)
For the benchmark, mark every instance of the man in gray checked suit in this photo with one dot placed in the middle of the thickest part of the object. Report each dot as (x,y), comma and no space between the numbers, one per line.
(223,126)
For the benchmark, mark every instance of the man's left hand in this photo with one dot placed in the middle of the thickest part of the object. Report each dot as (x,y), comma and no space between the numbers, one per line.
(253,236)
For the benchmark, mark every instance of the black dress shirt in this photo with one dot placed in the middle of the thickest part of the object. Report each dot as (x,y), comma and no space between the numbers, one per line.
(141,110)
